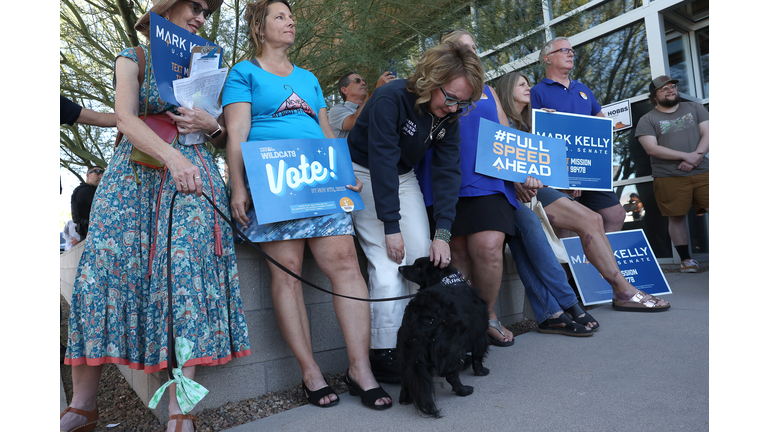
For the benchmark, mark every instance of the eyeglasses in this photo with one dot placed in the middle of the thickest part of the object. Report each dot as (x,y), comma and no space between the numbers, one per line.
(565,51)
(197,9)
(358,80)
(667,88)
(97,171)
(449,101)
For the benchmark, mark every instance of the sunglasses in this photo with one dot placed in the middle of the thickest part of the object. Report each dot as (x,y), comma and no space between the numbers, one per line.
(450,101)
(97,171)
(197,9)
(358,80)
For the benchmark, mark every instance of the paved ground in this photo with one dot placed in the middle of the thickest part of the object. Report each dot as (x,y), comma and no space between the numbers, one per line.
(639,372)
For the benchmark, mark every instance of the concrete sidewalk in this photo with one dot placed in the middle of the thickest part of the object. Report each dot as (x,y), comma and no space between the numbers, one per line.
(639,372)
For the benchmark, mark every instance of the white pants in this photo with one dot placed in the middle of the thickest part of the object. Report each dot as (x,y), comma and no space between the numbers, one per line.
(384,280)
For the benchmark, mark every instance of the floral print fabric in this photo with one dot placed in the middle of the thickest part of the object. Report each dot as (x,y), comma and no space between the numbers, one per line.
(119,305)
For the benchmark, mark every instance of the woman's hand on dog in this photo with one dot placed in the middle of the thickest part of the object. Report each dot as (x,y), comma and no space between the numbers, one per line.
(395,247)
(440,253)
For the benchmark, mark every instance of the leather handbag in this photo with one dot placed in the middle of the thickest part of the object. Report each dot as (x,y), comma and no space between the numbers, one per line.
(160,124)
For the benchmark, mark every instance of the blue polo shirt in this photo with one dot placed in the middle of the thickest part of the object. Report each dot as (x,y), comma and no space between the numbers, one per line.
(576,99)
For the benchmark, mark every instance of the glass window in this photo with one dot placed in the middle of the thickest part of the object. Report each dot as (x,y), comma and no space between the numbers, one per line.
(514,51)
(615,66)
(594,16)
(679,66)
(702,37)
(497,21)
(561,7)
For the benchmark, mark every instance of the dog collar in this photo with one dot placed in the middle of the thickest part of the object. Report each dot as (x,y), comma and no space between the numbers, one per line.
(454,279)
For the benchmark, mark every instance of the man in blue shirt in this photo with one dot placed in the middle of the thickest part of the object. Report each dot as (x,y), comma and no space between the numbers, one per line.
(561,93)
(590,214)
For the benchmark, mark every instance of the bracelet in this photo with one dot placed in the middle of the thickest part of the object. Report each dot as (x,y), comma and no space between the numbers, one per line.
(443,234)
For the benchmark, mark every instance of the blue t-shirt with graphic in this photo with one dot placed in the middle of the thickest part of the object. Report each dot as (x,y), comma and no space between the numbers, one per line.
(281,107)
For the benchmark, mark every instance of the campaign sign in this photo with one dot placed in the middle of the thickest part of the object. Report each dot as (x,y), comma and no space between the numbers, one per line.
(588,144)
(300,178)
(512,155)
(171,51)
(635,259)
(621,114)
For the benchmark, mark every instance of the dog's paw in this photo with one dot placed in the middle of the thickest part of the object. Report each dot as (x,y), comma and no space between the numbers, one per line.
(464,390)
(482,371)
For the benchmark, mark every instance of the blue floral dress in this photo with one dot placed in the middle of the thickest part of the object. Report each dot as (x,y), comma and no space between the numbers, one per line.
(119,307)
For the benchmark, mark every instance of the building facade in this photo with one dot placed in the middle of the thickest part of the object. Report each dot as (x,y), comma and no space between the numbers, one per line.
(620,46)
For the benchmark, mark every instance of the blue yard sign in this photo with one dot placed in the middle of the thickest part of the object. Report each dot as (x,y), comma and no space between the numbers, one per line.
(512,155)
(635,259)
(300,178)
(588,143)
(171,51)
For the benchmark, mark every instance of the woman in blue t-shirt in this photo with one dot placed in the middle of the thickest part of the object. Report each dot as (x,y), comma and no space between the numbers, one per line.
(270,98)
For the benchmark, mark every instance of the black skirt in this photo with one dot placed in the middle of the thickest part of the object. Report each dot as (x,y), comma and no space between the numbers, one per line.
(483,213)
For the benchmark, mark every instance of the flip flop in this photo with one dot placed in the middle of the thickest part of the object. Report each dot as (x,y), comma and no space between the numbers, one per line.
(496,325)
(640,302)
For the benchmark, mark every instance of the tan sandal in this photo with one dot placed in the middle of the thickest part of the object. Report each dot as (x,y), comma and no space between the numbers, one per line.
(180,419)
(91,419)
(640,302)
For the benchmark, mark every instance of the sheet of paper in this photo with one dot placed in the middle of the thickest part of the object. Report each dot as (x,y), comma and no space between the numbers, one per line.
(201,90)
(201,63)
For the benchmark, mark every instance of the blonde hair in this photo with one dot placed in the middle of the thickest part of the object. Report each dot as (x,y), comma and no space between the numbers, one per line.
(442,64)
(504,89)
(255,16)
(455,35)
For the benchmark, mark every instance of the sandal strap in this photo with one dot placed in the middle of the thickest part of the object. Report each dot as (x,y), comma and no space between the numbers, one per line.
(369,397)
(496,325)
(90,416)
(314,396)
(180,418)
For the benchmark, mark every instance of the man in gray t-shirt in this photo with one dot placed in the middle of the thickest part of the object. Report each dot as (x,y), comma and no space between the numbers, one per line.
(676,136)
(353,89)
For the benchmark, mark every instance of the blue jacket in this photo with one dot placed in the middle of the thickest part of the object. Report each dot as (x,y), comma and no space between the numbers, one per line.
(390,137)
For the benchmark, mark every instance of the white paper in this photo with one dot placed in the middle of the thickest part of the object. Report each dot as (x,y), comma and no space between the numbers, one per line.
(201,90)
(203,64)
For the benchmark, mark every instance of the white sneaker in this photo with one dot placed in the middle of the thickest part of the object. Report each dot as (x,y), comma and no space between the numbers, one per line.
(689,266)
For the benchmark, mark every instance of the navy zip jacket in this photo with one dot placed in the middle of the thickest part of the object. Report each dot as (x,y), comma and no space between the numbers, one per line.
(390,137)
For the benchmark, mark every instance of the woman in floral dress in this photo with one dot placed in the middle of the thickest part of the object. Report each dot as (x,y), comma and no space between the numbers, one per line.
(119,311)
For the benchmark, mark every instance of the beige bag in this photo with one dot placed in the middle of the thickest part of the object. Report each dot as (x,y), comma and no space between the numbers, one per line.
(554,241)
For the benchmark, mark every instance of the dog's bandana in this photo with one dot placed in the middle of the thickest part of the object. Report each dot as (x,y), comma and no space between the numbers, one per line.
(454,279)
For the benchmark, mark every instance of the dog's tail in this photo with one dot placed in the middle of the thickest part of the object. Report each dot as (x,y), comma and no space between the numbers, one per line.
(417,376)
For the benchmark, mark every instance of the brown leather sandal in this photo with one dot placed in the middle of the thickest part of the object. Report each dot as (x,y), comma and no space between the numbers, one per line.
(91,419)
(180,419)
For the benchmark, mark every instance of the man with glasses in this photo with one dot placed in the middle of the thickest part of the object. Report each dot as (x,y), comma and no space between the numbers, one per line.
(354,91)
(676,136)
(561,93)
(81,200)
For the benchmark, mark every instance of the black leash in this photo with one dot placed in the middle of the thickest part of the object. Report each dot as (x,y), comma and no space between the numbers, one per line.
(171,348)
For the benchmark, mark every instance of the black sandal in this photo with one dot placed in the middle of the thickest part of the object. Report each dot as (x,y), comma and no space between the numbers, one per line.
(368,397)
(314,397)
(575,312)
(570,329)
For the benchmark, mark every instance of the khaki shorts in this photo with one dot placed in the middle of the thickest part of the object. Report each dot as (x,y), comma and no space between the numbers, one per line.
(676,195)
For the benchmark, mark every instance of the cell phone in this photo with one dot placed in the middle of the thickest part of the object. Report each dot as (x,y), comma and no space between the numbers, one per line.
(391,67)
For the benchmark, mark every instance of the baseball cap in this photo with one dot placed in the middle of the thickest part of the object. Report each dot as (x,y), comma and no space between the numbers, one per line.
(659,82)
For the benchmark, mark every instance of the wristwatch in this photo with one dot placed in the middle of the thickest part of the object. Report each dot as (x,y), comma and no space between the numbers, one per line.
(217,132)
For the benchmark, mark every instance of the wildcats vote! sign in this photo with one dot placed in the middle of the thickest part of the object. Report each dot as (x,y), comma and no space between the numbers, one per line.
(512,155)
(294,179)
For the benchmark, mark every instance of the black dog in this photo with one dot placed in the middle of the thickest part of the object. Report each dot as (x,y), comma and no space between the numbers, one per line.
(444,321)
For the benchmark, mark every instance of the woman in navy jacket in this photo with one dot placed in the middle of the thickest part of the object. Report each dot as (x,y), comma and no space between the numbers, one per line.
(400,121)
